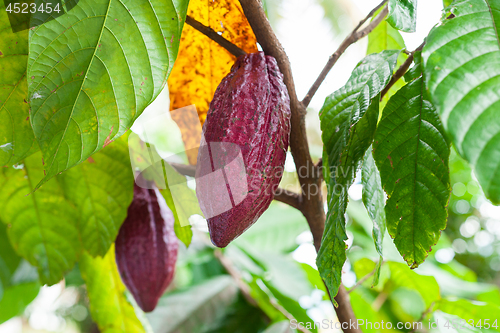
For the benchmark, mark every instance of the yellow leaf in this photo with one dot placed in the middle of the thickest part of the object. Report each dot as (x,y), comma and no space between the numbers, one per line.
(202,63)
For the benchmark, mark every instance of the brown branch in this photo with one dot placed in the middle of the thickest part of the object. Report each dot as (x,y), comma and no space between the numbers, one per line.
(401,71)
(184,169)
(288,197)
(213,35)
(353,37)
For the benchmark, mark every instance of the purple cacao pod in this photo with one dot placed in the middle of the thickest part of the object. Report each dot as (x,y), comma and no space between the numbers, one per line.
(244,144)
(146,248)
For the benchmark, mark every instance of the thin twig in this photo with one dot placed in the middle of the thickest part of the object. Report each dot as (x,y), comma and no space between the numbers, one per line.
(401,70)
(245,289)
(362,280)
(422,317)
(213,35)
(353,37)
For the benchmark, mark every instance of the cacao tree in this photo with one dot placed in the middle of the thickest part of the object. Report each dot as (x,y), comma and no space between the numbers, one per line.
(159,166)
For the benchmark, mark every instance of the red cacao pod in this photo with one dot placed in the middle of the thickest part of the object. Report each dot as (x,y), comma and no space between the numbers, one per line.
(146,248)
(244,145)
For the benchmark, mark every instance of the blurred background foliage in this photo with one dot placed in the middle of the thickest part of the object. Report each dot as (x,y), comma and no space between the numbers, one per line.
(268,276)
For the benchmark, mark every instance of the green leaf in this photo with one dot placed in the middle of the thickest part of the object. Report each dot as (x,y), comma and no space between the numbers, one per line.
(374,199)
(348,121)
(93,70)
(412,155)
(470,310)
(446,3)
(426,286)
(403,15)
(9,260)
(182,201)
(109,306)
(464,85)
(196,308)
(101,188)
(16,135)
(16,299)
(42,225)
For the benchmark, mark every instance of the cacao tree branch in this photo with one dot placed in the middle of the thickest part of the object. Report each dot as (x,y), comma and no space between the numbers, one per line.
(213,35)
(352,38)
(288,197)
(401,71)
(311,203)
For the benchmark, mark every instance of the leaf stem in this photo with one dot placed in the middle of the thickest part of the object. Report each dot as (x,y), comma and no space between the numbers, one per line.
(213,35)
(401,71)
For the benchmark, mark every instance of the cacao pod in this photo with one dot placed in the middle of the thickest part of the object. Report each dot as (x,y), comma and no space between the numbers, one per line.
(146,248)
(243,149)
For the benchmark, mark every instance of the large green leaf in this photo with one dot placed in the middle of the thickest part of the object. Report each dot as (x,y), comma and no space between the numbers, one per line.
(412,155)
(403,15)
(101,188)
(16,299)
(42,225)
(462,67)
(374,199)
(93,70)
(348,121)
(109,306)
(16,135)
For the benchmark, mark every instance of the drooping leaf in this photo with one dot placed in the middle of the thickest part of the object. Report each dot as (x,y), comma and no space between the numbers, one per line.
(412,153)
(16,299)
(182,202)
(101,188)
(195,308)
(462,75)
(42,225)
(180,199)
(109,306)
(403,15)
(374,199)
(93,70)
(426,286)
(16,136)
(202,63)
(348,121)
